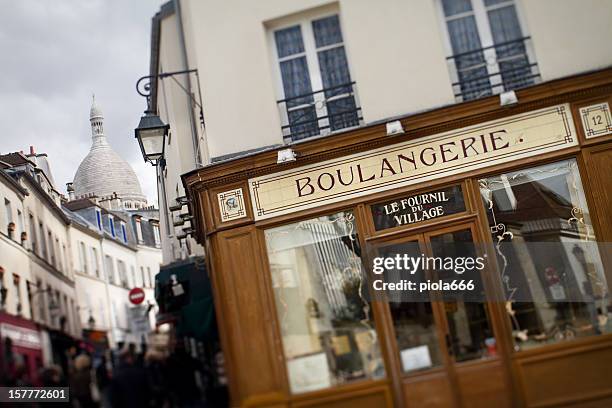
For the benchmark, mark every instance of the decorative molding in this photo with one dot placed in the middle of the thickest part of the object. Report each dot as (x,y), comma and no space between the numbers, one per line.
(231,205)
(413,161)
(596,120)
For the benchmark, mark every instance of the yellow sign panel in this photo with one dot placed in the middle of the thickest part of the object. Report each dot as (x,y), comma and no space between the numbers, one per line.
(414,161)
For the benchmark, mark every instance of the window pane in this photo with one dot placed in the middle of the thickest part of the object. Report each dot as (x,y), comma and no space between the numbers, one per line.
(468,322)
(303,123)
(289,41)
(452,7)
(469,59)
(325,322)
(512,56)
(334,71)
(296,81)
(327,31)
(415,328)
(342,113)
(494,2)
(547,204)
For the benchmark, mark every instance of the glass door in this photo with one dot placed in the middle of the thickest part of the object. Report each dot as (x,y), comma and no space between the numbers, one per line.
(444,344)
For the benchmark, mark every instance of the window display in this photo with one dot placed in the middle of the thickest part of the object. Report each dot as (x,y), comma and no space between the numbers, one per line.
(565,283)
(325,321)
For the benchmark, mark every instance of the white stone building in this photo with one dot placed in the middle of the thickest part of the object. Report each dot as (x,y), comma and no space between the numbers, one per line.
(67,265)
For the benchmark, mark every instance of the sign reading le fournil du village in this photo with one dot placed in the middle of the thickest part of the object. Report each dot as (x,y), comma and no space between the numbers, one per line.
(413,161)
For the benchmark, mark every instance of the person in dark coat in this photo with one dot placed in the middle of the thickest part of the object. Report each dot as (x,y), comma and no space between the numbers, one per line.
(181,369)
(129,385)
(80,382)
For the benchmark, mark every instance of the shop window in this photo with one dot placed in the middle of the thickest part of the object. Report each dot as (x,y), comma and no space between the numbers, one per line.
(549,262)
(325,322)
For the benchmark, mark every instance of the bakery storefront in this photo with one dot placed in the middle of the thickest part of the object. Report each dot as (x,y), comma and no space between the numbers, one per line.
(290,249)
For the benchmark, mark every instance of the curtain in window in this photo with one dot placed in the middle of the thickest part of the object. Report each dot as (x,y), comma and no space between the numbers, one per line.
(327,31)
(340,101)
(469,58)
(289,41)
(299,101)
(511,54)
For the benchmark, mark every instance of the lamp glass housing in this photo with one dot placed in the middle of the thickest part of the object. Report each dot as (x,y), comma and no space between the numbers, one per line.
(151,134)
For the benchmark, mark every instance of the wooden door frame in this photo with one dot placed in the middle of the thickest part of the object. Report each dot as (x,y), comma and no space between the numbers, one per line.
(470,219)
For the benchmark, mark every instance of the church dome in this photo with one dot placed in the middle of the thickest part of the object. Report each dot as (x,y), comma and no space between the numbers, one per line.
(103,172)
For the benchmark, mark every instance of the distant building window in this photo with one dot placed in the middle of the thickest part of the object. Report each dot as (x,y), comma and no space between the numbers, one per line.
(94,262)
(16,280)
(51,248)
(124,232)
(66,265)
(315,87)
(110,268)
(490,51)
(122,273)
(150,276)
(111,223)
(32,236)
(10,229)
(156,234)
(19,222)
(99,218)
(83,257)
(43,241)
(139,231)
(58,252)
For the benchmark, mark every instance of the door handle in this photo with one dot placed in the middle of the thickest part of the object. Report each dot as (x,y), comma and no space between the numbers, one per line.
(449,344)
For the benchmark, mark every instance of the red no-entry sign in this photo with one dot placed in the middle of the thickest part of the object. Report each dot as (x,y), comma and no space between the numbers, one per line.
(136,296)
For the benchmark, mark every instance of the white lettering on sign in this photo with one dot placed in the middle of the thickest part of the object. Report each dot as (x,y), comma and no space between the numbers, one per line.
(20,336)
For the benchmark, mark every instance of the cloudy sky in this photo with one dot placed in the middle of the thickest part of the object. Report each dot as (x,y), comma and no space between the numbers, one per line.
(55,54)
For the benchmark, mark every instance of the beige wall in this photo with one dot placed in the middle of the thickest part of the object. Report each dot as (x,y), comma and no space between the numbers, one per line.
(570,36)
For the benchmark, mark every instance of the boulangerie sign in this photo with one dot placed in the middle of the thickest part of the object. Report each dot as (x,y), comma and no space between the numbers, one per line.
(414,161)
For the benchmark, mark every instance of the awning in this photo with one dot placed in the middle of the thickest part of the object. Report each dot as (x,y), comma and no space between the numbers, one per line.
(184,295)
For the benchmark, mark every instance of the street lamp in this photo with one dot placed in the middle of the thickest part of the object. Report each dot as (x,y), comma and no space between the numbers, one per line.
(91,322)
(151,134)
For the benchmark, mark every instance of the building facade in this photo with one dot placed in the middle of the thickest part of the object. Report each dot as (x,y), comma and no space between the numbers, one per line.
(67,265)
(315,118)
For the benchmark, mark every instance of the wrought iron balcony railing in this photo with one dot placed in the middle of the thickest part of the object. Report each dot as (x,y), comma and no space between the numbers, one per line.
(492,70)
(320,112)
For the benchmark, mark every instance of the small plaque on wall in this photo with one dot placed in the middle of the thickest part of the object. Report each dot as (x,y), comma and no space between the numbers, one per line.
(231,205)
(416,208)
(596,120)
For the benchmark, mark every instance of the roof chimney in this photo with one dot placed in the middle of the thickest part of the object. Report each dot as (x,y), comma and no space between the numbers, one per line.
(70,189)
(32,151)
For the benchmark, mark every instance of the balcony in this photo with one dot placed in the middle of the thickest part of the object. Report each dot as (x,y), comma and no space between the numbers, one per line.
(492,70)
(320,112)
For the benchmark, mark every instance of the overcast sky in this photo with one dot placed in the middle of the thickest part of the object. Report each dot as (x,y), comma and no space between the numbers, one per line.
(55,54)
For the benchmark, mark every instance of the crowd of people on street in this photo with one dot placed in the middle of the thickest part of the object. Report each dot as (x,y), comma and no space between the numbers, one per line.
(125,378)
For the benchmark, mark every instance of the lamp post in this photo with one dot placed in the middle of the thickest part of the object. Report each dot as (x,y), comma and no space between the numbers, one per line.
(152,132)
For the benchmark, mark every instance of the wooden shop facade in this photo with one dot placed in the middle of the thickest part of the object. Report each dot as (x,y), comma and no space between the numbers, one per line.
(287,244)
